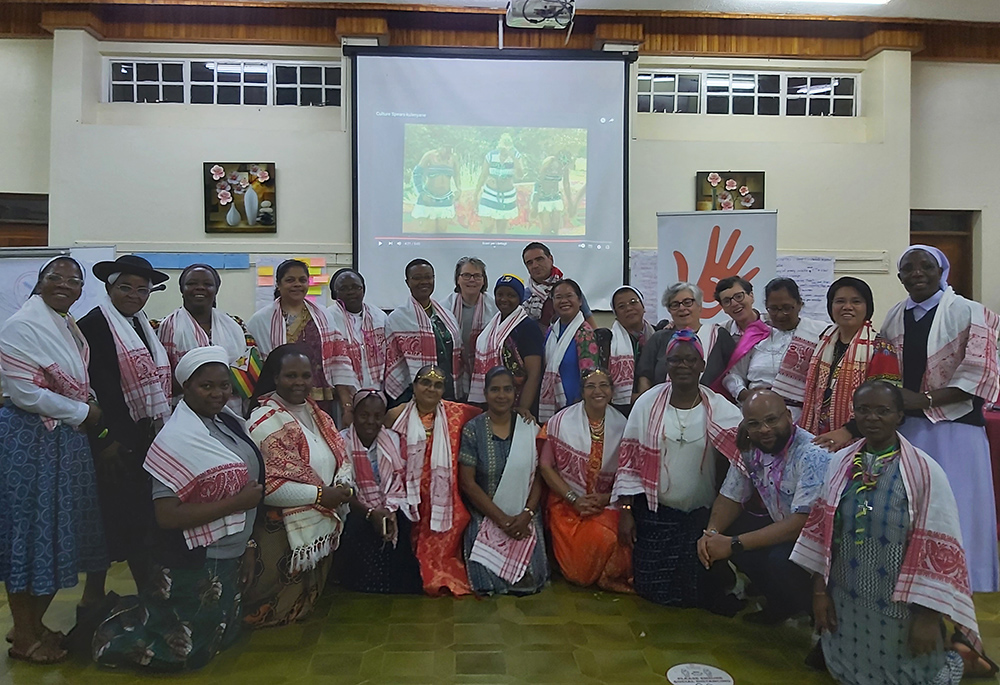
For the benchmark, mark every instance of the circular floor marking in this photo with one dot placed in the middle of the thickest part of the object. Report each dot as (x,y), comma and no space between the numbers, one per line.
(698,674)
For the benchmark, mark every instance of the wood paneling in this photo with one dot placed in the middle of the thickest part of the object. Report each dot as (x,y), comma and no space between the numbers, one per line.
(23,235)
(660,33)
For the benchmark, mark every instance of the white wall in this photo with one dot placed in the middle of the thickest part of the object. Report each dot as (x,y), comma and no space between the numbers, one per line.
(25,103)
(955,153)
(841,186)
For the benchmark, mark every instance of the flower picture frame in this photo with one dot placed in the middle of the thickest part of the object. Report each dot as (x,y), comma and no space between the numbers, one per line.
(240,197)
(729,191)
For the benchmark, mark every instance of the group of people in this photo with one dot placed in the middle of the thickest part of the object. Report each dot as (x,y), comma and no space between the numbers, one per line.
(462,446)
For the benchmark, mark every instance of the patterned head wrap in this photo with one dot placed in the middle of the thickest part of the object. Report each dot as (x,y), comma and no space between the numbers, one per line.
(685,335)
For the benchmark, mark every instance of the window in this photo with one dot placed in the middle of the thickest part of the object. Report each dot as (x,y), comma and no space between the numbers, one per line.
(147,82)
(224,82)
(747,93)
(306,84)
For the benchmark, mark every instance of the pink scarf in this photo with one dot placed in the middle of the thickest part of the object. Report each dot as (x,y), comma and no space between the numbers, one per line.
(753,334)
(934,572)
(352,356)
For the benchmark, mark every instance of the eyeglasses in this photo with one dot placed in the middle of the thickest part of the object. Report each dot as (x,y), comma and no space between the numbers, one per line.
(689,362)
(471,277)
(602,385)
(687,303)
(56,279)
(784,309)
(771,422)
(353,288)
(628,303)
(877,412)
(737,297)
(128,290)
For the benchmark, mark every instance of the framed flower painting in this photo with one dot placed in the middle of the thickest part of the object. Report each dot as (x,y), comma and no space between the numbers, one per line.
(729,190)
(240,197)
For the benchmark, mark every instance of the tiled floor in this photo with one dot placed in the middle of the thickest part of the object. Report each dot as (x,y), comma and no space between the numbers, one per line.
(562,635)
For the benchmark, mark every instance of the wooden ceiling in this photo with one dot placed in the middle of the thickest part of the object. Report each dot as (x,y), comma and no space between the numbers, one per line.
(657,33)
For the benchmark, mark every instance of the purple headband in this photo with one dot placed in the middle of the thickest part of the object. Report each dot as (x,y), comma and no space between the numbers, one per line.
(685,335)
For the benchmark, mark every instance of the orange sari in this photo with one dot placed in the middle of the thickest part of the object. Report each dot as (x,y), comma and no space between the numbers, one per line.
(587,549)
(442,566)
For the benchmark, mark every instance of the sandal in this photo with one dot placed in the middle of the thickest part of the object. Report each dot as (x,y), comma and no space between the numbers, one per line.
(976,657)
(49,635)
(32,655)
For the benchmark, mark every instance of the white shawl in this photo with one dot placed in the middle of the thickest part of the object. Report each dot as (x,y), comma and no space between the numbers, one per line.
(569,433)
(267,326)
(179,333)
(621,364)
(145,372)
(408,425)
(411,345)
(489,349)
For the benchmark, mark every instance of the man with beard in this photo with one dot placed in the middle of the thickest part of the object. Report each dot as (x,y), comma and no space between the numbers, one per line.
(779,461)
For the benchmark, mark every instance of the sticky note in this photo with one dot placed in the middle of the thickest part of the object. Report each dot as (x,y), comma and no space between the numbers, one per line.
(322,279)
(317,261)
(265,280)
(315,270)
(315,290)
(265,271)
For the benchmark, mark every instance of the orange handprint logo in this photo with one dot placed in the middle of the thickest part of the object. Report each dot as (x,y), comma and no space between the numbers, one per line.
(715,269)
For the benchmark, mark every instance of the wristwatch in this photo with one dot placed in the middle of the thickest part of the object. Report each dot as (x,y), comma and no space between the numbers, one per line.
(735,546)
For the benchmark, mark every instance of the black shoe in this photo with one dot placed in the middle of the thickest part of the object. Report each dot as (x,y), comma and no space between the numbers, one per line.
(767,617)
(78,640)
(815,659)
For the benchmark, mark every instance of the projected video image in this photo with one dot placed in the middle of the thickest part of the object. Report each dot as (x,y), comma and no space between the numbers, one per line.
(494,180)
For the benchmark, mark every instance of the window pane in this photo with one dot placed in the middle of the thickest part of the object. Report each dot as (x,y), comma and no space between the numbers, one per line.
(173,94)
(718,104)
(147,72)
(333,97)
(643,104)
(663,103)
(311,75)
(310,96)
(228,95)
(286,74)
(228,73)
(744,83)
(797,85)
(123,93)
(843,107)
(820,85)
(687,83)
(173,73)
(203,95)
(255,73)
(687,104)
(717,83)
(743,104)
(147,93)
(795,107)
(332,76)
(843,86)
(769,83)
(122,71)
(286,96)
(769,106)
(664,83)
(819,107)
(254,95)
(645,82)
(201,72)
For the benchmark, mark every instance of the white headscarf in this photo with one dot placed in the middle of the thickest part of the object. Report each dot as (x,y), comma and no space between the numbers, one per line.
(938,256)
(198,357)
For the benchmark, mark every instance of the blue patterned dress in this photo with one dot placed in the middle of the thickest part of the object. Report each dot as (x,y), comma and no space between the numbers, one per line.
(870,646)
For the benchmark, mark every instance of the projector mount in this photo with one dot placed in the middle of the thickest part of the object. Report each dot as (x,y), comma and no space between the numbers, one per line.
(540,14)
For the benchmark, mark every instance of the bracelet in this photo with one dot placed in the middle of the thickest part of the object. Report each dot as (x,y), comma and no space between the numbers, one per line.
(348,405)
(319,494)
(368,515)
(251,544)
(930,400)
(624,507)
(571,496)
(528,509)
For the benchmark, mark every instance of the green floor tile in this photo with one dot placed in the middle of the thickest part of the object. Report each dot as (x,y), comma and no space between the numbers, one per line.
(480,663)
(545,667)
(477,634)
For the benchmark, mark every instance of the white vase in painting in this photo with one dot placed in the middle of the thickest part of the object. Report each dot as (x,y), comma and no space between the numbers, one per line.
(250,205)
(233,216)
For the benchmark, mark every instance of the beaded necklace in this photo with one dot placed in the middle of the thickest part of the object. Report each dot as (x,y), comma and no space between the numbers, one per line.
(867,480)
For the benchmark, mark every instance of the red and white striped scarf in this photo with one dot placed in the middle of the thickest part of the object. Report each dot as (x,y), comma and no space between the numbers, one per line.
(411,346)
(145,371)
(493,548)
(790,381)
(269,330)
(180,333)
(621,364)
(569,433)
(552,396)
(188,460)
(639,457)
(390,494)
(357,362)
(40,347)
(961,351)
(539,293)
(934,573)
(851,373)
(489,350)
(409,425)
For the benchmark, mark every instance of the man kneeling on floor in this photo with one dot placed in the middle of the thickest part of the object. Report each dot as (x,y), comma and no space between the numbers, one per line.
(779,461)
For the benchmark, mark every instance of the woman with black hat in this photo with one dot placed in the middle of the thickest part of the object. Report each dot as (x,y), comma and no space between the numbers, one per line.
(130,373)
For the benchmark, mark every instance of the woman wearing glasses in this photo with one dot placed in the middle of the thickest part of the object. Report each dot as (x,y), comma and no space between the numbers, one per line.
(684,302)
(473,308)
(130,373)
(781,360)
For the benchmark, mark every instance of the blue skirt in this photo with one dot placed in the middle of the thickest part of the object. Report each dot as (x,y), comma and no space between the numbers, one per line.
(50,520)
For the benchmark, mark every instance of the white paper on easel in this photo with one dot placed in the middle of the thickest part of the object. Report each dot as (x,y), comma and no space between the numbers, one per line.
(642,277)
(813,275)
